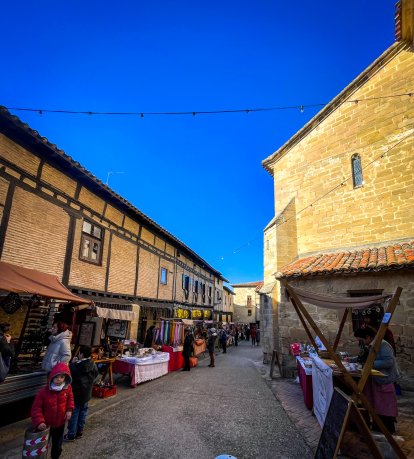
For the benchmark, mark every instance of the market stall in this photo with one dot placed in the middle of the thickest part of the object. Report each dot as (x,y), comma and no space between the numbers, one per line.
(29,300)
(356,385)
(145,366)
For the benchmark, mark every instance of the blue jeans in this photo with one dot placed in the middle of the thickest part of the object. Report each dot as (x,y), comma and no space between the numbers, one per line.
(78,419)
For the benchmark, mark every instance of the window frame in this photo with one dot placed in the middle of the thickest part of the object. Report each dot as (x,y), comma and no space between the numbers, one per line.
(163,270)
(356,159)
(92,239)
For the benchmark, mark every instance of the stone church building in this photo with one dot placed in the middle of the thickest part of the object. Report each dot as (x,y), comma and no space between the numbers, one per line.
(344,204)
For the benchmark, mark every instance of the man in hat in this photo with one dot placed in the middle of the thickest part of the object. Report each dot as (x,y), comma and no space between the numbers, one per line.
(211,342)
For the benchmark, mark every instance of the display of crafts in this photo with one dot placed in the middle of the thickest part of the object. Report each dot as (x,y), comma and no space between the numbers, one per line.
(353,367)
(145,352)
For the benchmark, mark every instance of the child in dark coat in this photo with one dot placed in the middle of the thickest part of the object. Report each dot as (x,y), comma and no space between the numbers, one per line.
(84,373)
(53,406)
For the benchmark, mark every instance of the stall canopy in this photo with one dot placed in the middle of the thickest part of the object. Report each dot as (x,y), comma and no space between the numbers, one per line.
(332,302)
(116,314)
(22,280)
(297,297)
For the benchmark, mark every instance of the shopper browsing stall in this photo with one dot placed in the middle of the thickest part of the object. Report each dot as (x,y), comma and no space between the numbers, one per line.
(59,347)
(188,348)
(380,390)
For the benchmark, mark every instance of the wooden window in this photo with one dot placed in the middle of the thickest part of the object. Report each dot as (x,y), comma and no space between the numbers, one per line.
(91,243)
(186,282)
(249,312)
(357,170)
(249,300)
(163,276)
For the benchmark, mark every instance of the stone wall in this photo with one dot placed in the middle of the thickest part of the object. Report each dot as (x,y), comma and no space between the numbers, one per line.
(348,216)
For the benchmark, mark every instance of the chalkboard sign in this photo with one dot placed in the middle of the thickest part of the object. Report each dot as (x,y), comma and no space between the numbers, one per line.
(334,426)
(86,334)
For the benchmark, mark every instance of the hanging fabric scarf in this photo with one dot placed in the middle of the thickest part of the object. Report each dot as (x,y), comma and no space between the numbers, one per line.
(162,332)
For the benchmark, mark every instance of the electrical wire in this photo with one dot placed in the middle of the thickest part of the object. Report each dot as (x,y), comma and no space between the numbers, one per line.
(300,107)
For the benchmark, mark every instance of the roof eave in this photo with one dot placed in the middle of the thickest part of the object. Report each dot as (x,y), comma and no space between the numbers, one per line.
(15,129)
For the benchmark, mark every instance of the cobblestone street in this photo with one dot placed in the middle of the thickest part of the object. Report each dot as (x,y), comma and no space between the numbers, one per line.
(206,412)
(234,408)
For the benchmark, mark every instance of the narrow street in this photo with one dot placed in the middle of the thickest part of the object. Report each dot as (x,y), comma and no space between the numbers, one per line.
(201,414)
(228,409)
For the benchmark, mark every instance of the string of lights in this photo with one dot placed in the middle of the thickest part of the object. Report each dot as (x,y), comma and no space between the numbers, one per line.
(142,114)
(336,187)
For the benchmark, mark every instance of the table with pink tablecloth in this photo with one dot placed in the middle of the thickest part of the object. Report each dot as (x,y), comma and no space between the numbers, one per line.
(144,369)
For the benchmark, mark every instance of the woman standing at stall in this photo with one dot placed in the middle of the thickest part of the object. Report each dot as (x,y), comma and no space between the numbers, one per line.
(380,391)
(59,347)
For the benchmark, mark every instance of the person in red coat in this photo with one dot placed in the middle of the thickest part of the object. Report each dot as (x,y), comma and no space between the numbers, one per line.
(53,406)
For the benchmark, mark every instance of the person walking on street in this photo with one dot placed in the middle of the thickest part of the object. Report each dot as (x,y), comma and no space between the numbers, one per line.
(223,340)
(84,372)
(258,337)
(236,337)
(247,331)
(211,342)
(253,336)
(188,348)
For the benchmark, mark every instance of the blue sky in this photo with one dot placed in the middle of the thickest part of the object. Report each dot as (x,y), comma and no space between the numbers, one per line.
(200,177)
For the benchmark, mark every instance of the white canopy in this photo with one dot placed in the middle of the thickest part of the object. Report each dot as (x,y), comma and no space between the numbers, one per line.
(337,302)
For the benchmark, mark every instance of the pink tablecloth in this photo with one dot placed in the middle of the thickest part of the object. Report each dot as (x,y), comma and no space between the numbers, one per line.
(140,373)
(305,379)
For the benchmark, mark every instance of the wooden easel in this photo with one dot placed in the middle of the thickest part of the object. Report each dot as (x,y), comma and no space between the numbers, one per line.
(357,388)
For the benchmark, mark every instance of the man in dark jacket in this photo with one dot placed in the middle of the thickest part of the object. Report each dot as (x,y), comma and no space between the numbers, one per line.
(84,373)
(6,350)
(188,348)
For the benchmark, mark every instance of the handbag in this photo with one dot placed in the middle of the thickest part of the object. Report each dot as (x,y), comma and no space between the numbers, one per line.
(4,368)
(193,362)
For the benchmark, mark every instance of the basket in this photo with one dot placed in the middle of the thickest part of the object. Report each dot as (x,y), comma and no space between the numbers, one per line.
(35,443)
(103,391)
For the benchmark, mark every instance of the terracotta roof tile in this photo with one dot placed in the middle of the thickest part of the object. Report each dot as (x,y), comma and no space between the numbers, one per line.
(396,256)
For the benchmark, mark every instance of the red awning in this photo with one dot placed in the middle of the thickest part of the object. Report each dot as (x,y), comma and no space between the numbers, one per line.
(22,280)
